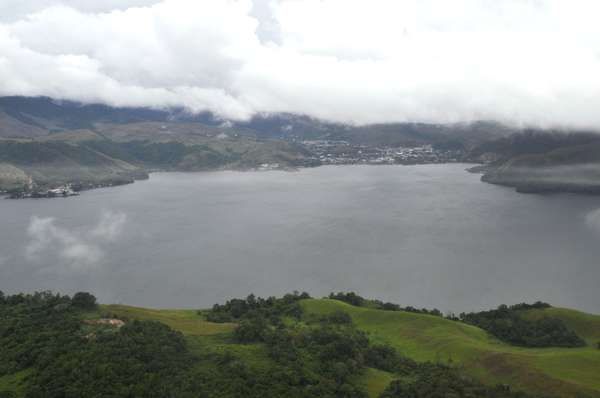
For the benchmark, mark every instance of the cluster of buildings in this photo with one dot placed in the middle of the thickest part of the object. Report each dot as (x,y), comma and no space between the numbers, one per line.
(342,152)
(58,192)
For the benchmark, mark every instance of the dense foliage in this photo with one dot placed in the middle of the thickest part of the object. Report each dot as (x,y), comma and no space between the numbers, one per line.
(507,324)
(358,301)
(270,308)
(317,357)
(44,333)
(439,381)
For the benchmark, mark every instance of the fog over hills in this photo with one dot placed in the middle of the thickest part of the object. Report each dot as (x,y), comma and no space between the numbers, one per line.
(529,63)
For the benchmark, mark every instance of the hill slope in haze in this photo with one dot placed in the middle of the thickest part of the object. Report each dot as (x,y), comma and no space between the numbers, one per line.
(540,162)
(35,117)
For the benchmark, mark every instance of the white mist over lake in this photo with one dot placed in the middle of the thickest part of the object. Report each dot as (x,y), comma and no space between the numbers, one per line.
(427,236)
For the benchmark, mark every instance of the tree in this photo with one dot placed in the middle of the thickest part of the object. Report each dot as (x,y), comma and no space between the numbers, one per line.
(84,301)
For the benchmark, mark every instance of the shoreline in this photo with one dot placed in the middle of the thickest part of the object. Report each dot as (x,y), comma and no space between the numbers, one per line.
(89,187)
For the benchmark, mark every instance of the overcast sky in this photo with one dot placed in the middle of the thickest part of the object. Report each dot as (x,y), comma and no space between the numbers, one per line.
(523,61)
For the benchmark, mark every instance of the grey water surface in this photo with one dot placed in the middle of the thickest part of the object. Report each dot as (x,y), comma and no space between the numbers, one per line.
(427,236)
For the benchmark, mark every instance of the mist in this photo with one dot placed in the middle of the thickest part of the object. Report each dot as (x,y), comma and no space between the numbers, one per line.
(74,249)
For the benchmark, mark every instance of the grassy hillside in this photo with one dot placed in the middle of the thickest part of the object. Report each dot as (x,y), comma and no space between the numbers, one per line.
(421,337)
(564,372)
(187,322)
(430,338)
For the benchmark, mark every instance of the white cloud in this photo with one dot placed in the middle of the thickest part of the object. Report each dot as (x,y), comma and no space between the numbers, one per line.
(110,226)
(532,62)
(76,249)
(592,220)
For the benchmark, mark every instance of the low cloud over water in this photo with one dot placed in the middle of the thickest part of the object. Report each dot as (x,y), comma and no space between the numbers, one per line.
(592,220)
(75,248)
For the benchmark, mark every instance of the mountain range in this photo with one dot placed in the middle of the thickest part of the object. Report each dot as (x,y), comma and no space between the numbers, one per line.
(52,142)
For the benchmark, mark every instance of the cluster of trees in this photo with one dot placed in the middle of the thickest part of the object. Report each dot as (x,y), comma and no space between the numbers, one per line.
(508,324)
(322,356)
(440,381)
(44,334)
(270,308)
(358,301)
(142,359)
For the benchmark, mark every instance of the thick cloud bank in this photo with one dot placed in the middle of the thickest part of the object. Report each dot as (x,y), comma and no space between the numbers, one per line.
(529,62)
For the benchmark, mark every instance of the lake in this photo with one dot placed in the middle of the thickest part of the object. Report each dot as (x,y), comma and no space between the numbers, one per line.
(427,236)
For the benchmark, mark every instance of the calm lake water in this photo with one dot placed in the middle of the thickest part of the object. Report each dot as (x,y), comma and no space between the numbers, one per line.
(427,236)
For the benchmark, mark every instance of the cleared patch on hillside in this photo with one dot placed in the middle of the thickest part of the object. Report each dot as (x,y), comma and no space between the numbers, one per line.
(376,381)
(187,322)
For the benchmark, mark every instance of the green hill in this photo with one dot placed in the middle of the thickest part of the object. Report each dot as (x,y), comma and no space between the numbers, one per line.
(565,371)
(218,359)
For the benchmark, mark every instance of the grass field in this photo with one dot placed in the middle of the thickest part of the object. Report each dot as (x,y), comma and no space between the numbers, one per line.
(566,371)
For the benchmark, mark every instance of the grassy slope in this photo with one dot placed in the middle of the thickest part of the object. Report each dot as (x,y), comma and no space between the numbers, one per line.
(425,337)
(422,337)
(376,381)
(187,322)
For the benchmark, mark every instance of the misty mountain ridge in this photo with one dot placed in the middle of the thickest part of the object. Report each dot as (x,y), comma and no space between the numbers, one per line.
(44,138)
(38,116)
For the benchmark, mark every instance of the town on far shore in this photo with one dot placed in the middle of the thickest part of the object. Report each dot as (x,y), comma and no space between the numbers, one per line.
(343,152)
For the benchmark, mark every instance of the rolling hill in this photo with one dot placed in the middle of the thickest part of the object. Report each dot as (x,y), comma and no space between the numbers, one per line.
(566,371)
(563,372)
